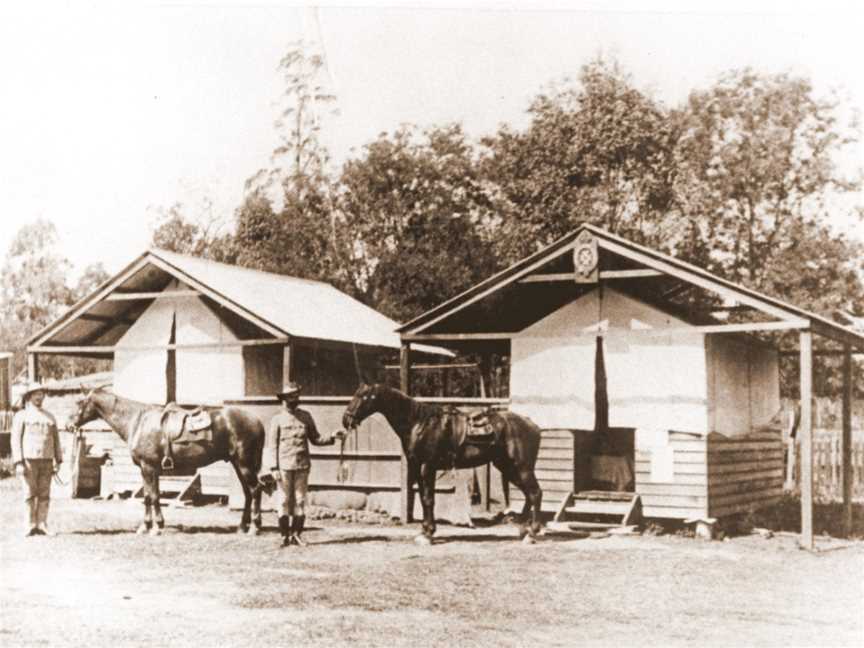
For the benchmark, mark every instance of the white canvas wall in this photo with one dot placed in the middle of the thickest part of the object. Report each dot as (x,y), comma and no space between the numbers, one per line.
(203,375)
(652,382)
(206,375)
(745,384)
(140,374)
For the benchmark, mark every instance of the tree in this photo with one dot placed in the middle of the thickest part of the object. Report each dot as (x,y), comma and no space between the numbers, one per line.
(202,236)
(287,222)
(299,161)
(35,292)
(599,151)
(415,204)
(756,180)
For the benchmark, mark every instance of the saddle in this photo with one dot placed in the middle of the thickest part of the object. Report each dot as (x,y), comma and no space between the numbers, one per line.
(475,428)
(182,426)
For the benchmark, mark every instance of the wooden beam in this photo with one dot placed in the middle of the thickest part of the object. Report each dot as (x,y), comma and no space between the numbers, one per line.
(158,347)
(497,286)
(32,366)
(838,333)
(542,278)
(604,274)
(406,487)
(91,317)
(846,443)
(454,365)
(806,435)
(697,278)
(431,337)
(162,294)
(635,273)
(634,334)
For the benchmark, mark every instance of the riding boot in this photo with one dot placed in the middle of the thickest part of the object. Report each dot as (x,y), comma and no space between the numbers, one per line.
(285,529)
(32,527)
(42,517)
(299,521)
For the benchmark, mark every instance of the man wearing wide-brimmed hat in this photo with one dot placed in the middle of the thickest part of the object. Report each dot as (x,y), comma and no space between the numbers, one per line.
(37,455)
(286,456)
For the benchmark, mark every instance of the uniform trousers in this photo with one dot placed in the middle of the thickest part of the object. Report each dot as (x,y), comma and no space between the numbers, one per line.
(295,484)
(37,490)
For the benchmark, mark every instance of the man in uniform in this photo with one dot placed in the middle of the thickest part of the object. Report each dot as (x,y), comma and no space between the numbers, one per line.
(37,456)
(286,456)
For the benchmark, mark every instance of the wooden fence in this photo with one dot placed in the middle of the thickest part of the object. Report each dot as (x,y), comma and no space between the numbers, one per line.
(828,467)
(827,450)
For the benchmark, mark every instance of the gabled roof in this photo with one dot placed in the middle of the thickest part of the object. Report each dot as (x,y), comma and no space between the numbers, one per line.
(277,305)
(636,257)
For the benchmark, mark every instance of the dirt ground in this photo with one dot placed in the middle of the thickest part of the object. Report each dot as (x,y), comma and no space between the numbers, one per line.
(99,584)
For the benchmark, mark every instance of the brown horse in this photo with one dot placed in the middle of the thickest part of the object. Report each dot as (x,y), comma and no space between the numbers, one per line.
(433,439)
(237,437)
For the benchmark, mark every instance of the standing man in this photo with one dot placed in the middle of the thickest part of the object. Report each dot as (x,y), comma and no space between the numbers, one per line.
(286,456)
(37,456)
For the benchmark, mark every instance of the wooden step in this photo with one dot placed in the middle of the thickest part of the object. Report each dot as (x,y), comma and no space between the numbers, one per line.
(598,507)
(604,496)
(624,505)
(574,526)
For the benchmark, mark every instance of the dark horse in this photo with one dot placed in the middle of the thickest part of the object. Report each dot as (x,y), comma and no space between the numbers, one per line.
(237,437)
(431,441)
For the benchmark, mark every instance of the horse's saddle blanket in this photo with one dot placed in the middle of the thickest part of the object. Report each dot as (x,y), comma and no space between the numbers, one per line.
(182,425)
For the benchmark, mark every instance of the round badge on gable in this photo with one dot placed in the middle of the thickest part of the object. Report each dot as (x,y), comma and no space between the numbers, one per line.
(585,259)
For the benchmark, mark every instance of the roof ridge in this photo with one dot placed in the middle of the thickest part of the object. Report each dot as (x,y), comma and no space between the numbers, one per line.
(233,266)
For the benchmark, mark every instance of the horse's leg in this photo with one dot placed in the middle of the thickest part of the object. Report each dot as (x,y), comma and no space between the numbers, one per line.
(146,479)
(427,499)
(243,476)
(151,499)
(256,511)
(534,496)
(517,477)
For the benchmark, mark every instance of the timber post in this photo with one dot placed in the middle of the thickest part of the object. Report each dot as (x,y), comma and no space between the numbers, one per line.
(847,440)
(806,431)
(33,367)
(406,501)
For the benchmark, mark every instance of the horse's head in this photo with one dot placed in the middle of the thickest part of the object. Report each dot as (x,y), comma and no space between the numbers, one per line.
(364,403)
(87,410)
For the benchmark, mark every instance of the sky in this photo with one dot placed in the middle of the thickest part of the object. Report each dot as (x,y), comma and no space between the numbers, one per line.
(110,113)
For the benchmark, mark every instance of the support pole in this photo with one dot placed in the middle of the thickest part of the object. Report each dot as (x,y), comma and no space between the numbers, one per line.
(33,367)
(847,440)
(806,436)
(406,500)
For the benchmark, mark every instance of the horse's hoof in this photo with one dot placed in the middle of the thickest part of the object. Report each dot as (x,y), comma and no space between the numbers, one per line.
(422,540)
(253,531)
(155,531)
(242,529)
(529,540)
(141,530)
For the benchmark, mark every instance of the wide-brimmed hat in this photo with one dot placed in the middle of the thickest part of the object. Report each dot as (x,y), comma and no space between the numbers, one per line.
(290,389)
(32,386)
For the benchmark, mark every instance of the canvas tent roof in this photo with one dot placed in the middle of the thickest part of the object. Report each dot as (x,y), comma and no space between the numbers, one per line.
(272,305)
(543,282)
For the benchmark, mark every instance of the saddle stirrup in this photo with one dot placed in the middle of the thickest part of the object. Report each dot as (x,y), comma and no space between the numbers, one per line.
(168,459)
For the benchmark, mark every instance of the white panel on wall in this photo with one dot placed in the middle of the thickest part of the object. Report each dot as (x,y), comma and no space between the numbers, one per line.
(138,373)
(206,375)
(658,382)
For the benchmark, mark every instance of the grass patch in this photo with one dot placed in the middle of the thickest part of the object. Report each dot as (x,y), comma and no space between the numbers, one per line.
(785,515)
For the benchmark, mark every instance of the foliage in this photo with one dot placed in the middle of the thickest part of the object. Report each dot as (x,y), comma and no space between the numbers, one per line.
(35,292)
(299,161)
(415,204)
(757,177)
(599,151)
(201,237)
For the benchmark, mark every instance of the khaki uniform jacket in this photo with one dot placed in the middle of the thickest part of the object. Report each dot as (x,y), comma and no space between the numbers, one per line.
(287,444)
(34,435)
